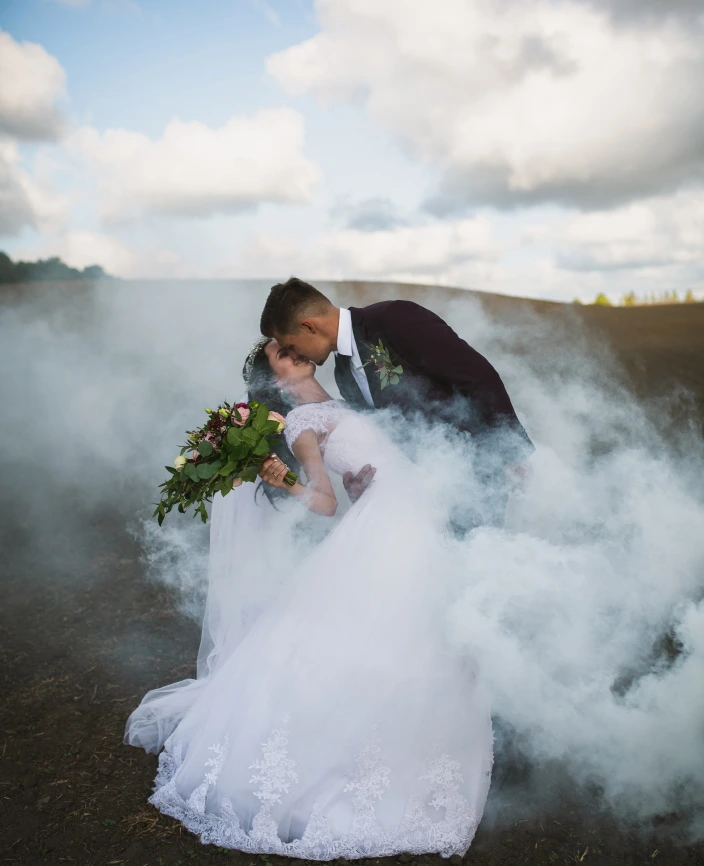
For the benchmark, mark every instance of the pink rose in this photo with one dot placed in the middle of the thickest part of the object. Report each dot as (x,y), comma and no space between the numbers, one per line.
(274,416)
(243,409)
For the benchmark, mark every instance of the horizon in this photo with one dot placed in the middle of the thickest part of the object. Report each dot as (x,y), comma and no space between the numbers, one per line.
(601,300)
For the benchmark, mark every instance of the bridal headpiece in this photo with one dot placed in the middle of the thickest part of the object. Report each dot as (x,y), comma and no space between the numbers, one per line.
(253,352)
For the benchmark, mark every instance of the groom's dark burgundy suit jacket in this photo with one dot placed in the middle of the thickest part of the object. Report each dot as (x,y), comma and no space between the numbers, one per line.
(441,373)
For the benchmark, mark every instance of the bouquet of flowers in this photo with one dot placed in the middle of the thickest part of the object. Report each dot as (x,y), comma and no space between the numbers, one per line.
(228,450)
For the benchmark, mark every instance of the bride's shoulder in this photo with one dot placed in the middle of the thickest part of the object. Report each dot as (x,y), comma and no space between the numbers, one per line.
(317,417)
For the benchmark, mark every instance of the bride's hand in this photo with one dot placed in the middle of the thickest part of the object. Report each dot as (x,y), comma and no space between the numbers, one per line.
(274,471)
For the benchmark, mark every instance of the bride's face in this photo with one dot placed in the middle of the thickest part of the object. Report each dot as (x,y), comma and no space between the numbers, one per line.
(284,367)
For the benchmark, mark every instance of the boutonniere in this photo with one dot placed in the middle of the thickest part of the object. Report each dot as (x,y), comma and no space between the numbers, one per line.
(380,357)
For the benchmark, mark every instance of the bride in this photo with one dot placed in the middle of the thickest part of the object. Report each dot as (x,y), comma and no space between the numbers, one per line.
(329,718)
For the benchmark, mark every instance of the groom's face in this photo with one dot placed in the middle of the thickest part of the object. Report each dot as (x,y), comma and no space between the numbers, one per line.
(307,342)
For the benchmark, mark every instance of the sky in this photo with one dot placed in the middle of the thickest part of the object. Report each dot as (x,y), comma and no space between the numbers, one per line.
(540,148)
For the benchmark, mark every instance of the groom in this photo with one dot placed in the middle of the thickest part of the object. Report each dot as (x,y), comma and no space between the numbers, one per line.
(442,375)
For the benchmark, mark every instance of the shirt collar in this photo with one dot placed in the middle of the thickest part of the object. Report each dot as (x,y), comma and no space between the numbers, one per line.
(344,333)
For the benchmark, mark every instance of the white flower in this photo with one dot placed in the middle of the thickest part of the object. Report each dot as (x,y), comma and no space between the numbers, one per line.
(180,462)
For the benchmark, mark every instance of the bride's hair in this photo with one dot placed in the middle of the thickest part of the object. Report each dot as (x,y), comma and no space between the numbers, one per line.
(263,387)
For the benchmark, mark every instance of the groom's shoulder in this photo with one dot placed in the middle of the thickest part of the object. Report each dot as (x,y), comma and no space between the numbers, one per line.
(393,310)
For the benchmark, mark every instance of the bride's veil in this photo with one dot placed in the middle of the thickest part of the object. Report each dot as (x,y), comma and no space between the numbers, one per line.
(244,573)
(248,563)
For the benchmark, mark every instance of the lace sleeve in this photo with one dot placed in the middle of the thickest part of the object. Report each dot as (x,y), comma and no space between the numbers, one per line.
(308,417)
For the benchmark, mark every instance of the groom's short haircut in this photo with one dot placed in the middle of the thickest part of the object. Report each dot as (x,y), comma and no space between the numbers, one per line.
(288,304)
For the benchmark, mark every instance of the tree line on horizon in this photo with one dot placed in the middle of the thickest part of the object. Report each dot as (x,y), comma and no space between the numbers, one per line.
(45,269)
(54,269)
(630,299)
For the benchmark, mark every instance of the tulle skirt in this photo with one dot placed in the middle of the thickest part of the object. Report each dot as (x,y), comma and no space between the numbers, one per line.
(338,722)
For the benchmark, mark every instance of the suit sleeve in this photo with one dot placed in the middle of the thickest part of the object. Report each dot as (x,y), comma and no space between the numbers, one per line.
(430,344)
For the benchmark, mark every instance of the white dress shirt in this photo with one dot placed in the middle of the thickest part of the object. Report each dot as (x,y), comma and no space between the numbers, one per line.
(347,346)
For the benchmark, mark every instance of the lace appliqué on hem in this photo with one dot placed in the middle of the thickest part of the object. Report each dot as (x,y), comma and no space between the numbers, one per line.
(419,832)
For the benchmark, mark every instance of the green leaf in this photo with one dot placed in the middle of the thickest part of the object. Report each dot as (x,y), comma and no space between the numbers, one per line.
(228,468)
(250,436)
(240,452)
(394,379)
(397,370)
(249,473)
(205,449)
(236,413)
(260,418)
(170,469)
(206,471)
(234,436)
(261,449)
(191,471)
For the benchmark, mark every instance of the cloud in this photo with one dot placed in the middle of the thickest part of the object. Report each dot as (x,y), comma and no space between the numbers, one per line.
(32,85)
(461,252)
(648,11)
(80,249)
(653,233)
(24,201)
(369,215)
(194,170)
(518,102)
(418,250)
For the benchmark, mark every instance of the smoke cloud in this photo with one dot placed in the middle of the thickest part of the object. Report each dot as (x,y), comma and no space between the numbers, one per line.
(586,613)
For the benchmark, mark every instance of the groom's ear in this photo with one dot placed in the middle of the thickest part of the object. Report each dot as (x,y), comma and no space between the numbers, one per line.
(308,326)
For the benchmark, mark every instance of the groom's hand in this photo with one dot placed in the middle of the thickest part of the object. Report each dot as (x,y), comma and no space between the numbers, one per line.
(355,485)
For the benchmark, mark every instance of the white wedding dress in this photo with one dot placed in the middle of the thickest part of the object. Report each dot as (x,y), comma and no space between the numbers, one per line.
(329,719)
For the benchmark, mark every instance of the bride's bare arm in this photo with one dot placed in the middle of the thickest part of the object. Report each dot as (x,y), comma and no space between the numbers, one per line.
(318,495)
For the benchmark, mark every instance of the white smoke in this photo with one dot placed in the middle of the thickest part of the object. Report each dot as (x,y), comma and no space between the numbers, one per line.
(586,612)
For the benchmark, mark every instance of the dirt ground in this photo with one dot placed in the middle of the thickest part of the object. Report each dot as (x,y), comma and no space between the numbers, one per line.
(77,655)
